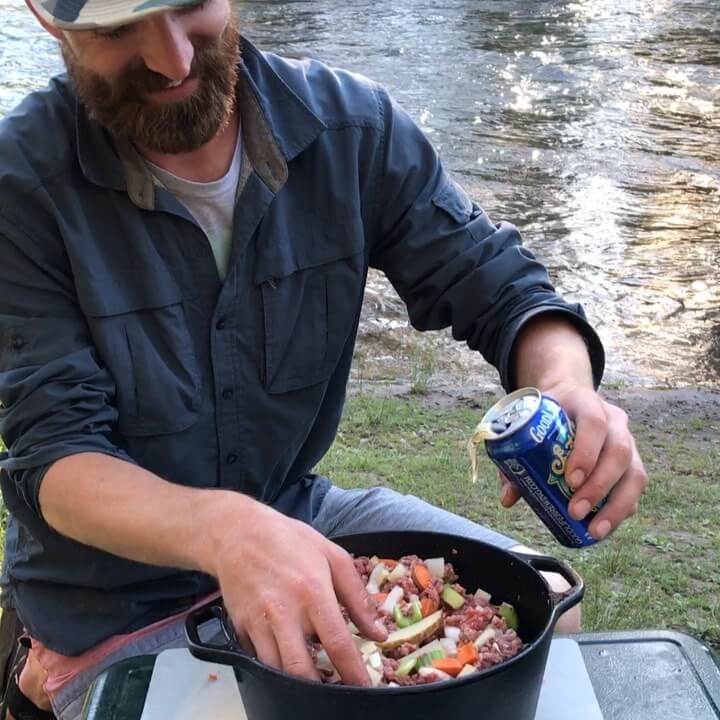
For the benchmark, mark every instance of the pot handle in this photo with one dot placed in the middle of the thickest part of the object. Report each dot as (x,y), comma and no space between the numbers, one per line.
(229,653)
(546,563)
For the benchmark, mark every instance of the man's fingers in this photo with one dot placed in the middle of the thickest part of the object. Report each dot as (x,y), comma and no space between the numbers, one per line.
(509,492)
(339,645)
(260,632)
(624,500)
(591,429)
(293,650)
(351,593)
(612,466)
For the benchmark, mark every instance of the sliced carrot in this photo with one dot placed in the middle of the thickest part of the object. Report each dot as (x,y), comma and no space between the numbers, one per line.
(467,654)
(452,666)
(389,564)
(379,598)
(428,606)
(422,577)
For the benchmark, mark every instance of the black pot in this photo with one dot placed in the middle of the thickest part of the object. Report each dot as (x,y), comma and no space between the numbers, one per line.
(508,691)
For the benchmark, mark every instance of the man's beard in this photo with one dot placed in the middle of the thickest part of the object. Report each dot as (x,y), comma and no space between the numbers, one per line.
(177,127)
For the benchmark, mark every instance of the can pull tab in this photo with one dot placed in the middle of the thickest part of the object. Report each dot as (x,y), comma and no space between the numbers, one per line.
(484,431)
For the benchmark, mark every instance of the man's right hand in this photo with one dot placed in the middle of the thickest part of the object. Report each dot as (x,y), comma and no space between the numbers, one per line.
(281,583)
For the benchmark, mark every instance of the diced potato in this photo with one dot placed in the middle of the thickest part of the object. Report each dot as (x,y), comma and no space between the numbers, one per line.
(415,633)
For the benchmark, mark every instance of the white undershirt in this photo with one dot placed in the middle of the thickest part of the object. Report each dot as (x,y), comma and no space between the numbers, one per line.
(212,204)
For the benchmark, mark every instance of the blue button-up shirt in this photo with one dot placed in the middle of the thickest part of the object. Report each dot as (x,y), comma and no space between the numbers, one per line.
(117,336)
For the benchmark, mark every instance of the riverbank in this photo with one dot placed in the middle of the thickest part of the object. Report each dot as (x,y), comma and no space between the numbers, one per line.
(661,569)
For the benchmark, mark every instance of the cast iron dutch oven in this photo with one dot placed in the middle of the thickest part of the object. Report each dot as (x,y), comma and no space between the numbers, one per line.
(508,691)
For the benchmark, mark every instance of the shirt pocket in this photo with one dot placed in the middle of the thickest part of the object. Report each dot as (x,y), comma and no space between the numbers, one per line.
(311,287)
(147,347)
(451,198)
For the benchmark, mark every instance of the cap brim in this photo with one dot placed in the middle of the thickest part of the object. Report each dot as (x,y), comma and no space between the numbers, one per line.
(79,15)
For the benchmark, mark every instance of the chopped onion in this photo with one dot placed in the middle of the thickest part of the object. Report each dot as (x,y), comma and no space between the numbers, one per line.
(486,635)
(368,647)
(322,661)
(392,599)
(375,676)
(436,566)
(377,578)
(399,571)
(449,646)
(375,661)
(433,672)
(453,632)
(482,597)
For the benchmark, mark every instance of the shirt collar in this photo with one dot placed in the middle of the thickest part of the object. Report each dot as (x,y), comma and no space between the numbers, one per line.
(276,125)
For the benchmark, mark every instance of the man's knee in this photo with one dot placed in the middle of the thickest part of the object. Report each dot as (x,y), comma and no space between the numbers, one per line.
(571,620)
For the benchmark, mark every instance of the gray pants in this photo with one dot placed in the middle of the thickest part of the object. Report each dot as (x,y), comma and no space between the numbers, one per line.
(349,511)
(342,511)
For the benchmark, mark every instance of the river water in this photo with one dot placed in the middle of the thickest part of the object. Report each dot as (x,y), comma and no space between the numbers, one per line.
(593,125)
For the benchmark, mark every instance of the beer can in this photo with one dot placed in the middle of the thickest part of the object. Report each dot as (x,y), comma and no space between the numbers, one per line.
(529,437)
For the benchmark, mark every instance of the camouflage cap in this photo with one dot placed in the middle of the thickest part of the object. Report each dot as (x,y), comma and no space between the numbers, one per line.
(88,14)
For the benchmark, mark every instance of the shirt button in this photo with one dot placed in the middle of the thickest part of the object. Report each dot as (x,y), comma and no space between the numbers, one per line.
(231,458)
(221,324)
(227,393)
(18,343)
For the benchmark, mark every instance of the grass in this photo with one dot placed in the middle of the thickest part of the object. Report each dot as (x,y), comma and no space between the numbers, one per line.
(661,569)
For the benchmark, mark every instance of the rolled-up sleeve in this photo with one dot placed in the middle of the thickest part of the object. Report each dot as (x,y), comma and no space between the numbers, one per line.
(57,399)
(449,263)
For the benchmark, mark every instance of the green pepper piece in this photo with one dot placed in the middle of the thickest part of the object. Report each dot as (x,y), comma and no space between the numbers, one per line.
(427,658)
(400,620)
(452,597)
(416,613)
(508,613)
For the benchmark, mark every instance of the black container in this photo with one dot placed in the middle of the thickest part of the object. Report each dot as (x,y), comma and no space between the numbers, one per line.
(508,691)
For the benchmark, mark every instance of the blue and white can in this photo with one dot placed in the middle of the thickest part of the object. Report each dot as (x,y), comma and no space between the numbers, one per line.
(529,437)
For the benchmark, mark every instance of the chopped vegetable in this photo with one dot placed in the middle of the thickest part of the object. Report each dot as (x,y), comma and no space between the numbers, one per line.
(323,662)
(375,676)
(422,576)
(467,654)
(509,614)
(368,647)
(400,620)
(406,666)
(375,661)
(433,673)
(424,650)
(399,571)
(453,632)
(389,564)
(452,597)
(485,636)
(427,659)
(377,577)
(428,606)
(379,597)
(415,633)
(436,566)
(448,645)
(392,599)
(451,666)
(482,597)
(416,612)
(467,670)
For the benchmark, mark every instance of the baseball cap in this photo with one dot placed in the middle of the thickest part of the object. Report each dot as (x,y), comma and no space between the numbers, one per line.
(88,14)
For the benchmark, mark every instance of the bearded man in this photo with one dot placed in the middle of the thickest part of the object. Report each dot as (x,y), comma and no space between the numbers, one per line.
(186,225)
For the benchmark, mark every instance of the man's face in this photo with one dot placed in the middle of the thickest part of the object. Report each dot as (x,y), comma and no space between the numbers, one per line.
(166,83)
